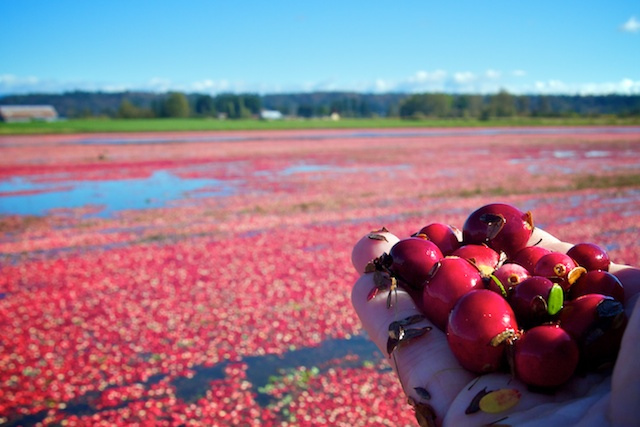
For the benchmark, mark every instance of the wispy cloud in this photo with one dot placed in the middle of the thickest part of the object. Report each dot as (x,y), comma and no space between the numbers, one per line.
(631,26)
(487,82)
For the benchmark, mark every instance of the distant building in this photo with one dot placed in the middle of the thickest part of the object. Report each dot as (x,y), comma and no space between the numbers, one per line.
(26,113)
(270,115)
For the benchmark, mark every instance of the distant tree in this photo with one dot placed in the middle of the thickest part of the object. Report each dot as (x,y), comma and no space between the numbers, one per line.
(502,104)
(305,111)
(128,110)
(427,104)
(205,106)
(523,105)
(176,105)
(543,108)
(252,102)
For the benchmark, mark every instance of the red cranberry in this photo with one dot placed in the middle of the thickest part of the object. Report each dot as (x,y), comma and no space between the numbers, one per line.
(598,282)
(590,256)
(597,323)
(478,327)
(558,267)
(529,256)
(450,278)
(545,356)
(411,260)
(482,256)
(502,227)
(443,235)
(508,276)
(535,300)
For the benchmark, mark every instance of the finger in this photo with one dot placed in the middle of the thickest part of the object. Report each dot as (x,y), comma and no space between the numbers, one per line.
(424,365)
(625,381)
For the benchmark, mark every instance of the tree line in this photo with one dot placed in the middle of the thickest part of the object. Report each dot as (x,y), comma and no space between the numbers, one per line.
(128,105)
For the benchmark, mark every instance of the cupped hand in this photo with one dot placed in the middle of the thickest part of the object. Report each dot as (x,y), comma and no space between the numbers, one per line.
(443,393)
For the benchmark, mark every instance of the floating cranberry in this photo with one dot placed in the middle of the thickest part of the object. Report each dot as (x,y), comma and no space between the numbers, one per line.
(597,323)
(590,256)
(502,227)
(478,327)
(443,235)
(529,256)
(598,282)
(371,246)
(535,300)
(449,279)
(411,260)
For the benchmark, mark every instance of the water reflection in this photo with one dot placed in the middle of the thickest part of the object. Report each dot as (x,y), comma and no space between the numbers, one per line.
(26,197)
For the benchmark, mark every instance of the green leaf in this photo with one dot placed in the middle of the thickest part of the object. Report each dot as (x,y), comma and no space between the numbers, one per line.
(556,299)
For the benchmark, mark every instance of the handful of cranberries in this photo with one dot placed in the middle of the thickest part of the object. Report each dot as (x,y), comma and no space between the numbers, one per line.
(504,303)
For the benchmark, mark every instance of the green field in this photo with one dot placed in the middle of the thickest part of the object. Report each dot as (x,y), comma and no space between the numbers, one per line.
(165,125)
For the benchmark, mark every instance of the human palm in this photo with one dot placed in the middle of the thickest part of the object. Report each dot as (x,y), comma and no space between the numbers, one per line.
(442,392)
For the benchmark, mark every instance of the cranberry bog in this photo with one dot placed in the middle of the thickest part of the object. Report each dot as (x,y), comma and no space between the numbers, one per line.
(205,278)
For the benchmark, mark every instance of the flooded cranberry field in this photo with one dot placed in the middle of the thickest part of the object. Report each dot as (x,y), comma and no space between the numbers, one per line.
(205,278)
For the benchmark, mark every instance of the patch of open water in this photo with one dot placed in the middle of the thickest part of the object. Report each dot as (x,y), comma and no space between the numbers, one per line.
(20,196)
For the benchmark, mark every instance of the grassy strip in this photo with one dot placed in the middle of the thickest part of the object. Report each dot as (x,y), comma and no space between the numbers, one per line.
(582,182)
(181,125)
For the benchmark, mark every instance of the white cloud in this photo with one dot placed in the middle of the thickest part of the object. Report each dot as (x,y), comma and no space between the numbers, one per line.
(428,77)
(631,26)
(492,74)
(464,77)
(622,87)
(519,73)
(487,82)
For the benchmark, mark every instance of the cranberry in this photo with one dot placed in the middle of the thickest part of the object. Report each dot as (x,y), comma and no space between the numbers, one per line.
(535,300)
(597,323)
(558,267)
(450,278)
(443,235)
(411,260)
(529,256)
(506,277)
(478,327)
(502,227)
(545,356)
(482,256)
(370,247)
(590,256)
(598,282)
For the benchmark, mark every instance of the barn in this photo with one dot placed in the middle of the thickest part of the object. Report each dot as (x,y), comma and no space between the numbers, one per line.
(26,113)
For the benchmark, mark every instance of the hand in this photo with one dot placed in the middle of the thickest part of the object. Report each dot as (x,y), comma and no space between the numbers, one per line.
(441,390)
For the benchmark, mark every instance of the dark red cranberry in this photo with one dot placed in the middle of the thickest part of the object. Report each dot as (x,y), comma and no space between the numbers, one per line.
(559,268)
(411,259)
(536,300)
(545,356)
(598,282)
(443,235)
(502,227)
(478,327)
(450,278)
(529,256)
(507,277)
(597,323)
(590,256)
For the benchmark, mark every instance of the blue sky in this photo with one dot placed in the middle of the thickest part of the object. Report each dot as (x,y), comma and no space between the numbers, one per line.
(556,47)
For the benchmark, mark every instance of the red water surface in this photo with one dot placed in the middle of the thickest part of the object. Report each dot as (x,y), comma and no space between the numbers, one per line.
(103,320)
